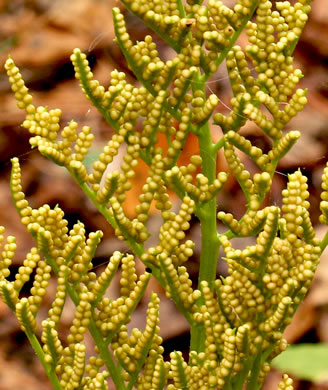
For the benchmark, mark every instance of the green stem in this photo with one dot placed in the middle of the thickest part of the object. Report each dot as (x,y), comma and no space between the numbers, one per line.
(207,217)
(324,242)
(219,145)
(95,101)
(261,357)
(210,243)
(47,367)
(106,356)
(253,380)
(241,377)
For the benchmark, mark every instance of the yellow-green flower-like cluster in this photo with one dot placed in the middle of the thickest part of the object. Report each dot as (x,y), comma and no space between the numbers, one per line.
(286,383)
(237,321)
(324,197)
(44,125)
(69,255)
(272,38)
(68,363)
(181,178)
(244,317)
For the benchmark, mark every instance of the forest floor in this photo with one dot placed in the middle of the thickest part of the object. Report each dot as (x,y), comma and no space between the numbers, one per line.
(40,35)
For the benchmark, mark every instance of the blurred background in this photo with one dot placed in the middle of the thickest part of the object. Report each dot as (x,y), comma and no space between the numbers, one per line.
(40,35)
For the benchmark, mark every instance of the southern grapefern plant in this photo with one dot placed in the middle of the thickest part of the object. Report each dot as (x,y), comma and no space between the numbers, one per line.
(236,321)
